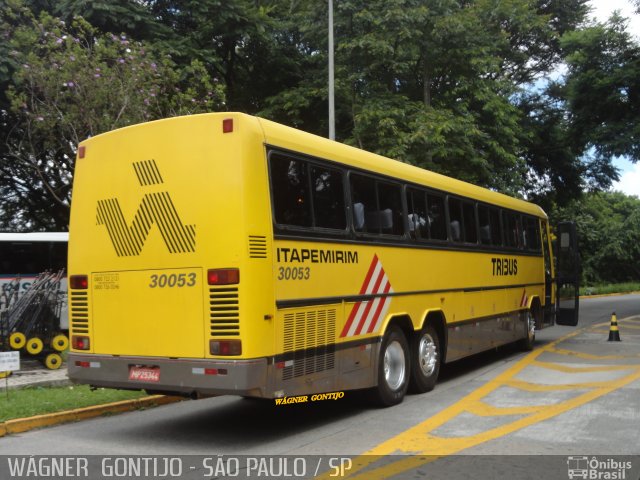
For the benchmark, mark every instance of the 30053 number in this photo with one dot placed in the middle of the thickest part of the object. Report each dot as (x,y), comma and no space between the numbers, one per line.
(173,280)
(294,273)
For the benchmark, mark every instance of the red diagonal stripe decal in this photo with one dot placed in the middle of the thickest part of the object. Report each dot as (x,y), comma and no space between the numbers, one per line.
(365,315)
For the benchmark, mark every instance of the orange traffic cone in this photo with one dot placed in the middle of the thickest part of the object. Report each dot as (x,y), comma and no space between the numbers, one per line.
(614,333)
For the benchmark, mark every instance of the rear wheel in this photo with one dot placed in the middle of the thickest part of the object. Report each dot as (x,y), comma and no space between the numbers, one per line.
(425,360)
(393,368)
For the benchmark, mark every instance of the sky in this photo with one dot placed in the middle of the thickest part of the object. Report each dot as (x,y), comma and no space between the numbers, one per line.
(630,173)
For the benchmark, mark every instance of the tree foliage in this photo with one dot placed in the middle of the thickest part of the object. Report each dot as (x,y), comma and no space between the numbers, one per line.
(73,82)
(602,89)
(609,235)
(454,86)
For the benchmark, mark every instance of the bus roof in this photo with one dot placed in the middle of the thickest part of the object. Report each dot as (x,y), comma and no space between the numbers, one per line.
(34,237)
(278,135)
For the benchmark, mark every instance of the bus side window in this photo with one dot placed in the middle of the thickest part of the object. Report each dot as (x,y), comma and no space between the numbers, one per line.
(328,198)
(489,221)
(437,216)
(485,225)
(469,214)
(513,230)
(418,217)
(496,227)
(455,219)
(532,233)
(390,204)
(365,207)
(290,187)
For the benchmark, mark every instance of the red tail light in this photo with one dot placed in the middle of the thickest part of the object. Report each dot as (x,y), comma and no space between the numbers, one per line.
(79,342)
(227,125)
(225,347)
(223,276)
(79,282)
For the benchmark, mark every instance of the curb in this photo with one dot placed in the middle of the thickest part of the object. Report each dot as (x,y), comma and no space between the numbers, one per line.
(20,425)
(602,295)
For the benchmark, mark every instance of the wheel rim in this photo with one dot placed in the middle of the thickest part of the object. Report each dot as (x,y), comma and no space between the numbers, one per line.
(531,326)
(394,365)
(427,355)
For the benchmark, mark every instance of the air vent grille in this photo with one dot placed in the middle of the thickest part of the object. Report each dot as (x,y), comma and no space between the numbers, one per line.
(79,311)
(224,311)
(257,246)
(310,336)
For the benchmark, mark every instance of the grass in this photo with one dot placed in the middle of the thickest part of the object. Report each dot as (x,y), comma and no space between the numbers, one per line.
(610,288)
(27,402)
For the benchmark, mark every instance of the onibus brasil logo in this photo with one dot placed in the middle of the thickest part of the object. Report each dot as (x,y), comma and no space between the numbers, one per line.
(156,208)
(597,469)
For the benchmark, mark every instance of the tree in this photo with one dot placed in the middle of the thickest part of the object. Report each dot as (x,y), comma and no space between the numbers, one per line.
(609,235)
(602,89)
(72,83)
(428,82)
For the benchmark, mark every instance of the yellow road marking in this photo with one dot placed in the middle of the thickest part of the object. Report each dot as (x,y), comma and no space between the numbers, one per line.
(568,369)
(422,446)
(626,325)
(589,356)
(485,410)
(533,387)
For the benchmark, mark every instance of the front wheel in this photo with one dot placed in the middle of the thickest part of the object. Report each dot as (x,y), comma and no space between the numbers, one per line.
(393,368)
(425,360)
(530,324)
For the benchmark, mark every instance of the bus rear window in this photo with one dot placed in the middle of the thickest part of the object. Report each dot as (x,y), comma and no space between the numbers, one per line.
(290,187)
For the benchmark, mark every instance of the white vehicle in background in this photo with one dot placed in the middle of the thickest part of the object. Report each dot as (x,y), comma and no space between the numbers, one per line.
(34,259)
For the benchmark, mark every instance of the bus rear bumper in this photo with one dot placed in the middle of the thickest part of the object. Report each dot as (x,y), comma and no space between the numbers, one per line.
(189,377)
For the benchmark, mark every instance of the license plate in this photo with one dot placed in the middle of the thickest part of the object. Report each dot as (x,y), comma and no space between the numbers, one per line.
(144,374)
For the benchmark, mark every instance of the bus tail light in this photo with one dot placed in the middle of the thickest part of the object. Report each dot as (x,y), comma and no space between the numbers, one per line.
(223,276)
(225,347)
(79,282)
(227,125)
(80,342)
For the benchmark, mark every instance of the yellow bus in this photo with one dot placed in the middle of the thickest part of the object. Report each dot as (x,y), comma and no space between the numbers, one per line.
(227,254)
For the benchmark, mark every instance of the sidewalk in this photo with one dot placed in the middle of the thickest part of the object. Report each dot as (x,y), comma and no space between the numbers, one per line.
(34,374)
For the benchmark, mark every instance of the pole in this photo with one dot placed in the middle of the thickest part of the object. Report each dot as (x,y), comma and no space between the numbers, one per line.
(332,106)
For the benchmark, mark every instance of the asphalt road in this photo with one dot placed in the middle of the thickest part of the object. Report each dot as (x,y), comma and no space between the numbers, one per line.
(575,395)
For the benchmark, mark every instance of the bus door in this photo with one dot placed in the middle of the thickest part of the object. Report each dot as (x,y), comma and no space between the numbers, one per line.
(567,274)
(549,316)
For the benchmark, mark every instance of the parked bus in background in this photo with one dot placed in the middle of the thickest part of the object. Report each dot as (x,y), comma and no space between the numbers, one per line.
(33,294)
(227,254)
(25,255)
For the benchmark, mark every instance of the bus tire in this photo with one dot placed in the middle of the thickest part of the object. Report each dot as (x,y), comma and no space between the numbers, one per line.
(393,368)
(530,332)
(425,360)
